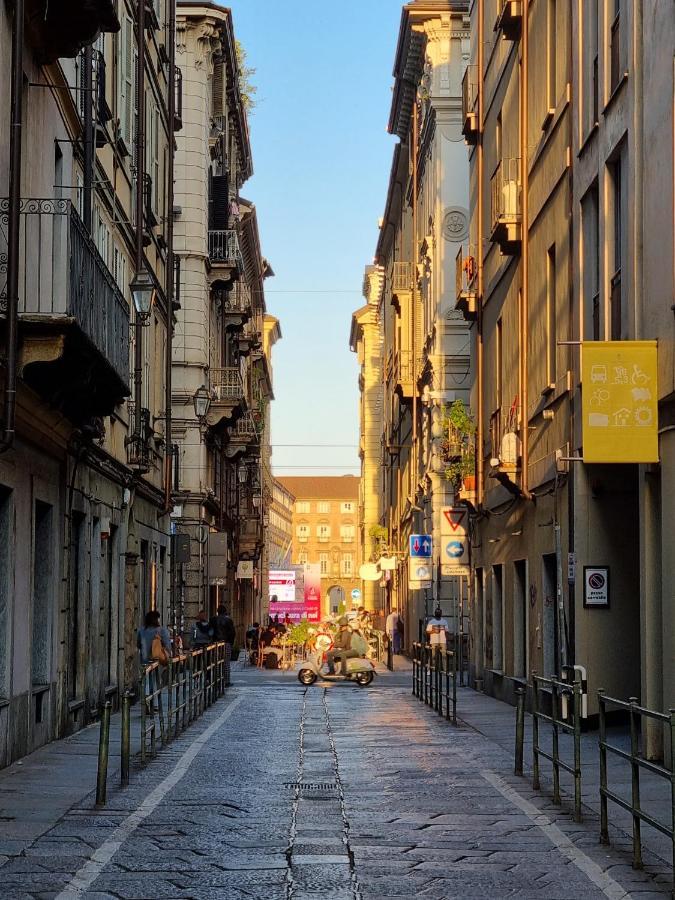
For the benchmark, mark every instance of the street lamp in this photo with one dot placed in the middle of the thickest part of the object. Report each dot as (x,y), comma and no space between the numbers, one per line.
(201,401)
(143,293)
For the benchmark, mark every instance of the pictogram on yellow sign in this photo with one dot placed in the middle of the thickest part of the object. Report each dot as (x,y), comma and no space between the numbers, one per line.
(619,402)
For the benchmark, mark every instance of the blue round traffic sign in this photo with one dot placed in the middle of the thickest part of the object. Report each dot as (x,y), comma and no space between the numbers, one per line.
(455,549)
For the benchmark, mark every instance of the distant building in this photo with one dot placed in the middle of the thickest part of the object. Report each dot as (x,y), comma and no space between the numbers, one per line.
(325,532)
(279,534)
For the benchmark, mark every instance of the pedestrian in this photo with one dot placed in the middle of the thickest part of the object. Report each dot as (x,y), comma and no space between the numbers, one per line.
(437,632)
(154,644)
(223,630)
(392,630)
(202,633)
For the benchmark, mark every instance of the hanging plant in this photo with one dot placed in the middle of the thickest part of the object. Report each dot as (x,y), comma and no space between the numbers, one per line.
(459,446)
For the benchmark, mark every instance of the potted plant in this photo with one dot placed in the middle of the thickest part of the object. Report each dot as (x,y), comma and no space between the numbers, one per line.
(460,446)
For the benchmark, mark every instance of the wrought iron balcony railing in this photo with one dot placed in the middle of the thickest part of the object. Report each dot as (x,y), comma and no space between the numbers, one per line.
(505,204)
(224,248)
(470,124)
(466,281)
(65,281)
(226,384)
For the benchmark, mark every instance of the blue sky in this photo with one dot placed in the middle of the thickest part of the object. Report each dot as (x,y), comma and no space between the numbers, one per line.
(321,156)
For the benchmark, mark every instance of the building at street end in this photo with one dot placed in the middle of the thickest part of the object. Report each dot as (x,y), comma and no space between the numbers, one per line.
(568,266)
(86,317)
(221,375)
(411,319)
(325,535)
(279,534)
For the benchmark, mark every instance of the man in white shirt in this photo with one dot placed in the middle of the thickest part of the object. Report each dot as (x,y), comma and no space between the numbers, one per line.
(393,630)
(437,632)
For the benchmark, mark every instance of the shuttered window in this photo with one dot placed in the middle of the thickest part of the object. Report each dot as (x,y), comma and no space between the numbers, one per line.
(218,88)
(125,80)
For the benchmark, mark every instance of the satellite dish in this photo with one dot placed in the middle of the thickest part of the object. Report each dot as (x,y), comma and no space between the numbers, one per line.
(369,572)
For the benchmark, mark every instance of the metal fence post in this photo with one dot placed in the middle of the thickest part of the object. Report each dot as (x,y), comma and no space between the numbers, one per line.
(390,654)
(125,740)
(520,730)
(447,685)
(169,715)
(144,714)
(424,672)
(454,692)
(576,711)
(555,710)
(672,786)
(635,784)
(103,749)
(535,733)
(602,743)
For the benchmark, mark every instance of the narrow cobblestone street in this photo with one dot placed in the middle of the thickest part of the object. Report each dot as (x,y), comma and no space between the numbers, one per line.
(331,791)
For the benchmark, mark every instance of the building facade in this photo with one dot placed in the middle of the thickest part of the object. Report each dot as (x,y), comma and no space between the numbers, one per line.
(279,535)
(325,533)
(86,303)
(221,369)
(426,362)
(366,341)
(565,116)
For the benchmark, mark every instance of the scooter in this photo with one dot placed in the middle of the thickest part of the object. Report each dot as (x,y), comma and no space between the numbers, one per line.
(362,671)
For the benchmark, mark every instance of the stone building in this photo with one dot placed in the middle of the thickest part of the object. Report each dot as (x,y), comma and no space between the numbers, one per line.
(279,534)
(86,305)
(576,238)
(426,362)
(221,371)
(325,532)
(366,341)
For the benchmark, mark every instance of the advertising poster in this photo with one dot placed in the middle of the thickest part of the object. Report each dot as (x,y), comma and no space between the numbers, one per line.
(296,593)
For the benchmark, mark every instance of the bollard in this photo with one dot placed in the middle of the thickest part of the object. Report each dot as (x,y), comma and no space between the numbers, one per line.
(390,655)
(125,748)
(520,730)
(103,748)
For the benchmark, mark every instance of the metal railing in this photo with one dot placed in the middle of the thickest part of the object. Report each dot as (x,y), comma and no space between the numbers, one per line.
(226,383)
(64,275)
(505,192)
(190,683)
(434,679)
(402,276)
(559,722)
(224,247)
(637,763)
(470,98)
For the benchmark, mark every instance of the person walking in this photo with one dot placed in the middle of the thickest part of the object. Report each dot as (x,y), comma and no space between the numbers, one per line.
(223,630)
(154,644)
(393,631)
(437,632)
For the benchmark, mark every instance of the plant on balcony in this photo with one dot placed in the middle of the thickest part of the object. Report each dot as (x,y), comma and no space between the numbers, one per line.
(246,87)
(379,536)
(459,446)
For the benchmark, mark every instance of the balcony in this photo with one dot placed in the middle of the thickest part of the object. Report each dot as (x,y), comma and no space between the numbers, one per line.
(234,305)
(61,28)
(243,438)
(466,282)
(505,210)
(74,321)
(470,124)
(404,373)
(224,252)
(178,102)
(227,395)
(509,19)
(139,444)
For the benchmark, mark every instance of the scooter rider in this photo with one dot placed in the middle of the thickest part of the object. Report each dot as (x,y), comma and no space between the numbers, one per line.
(343,648)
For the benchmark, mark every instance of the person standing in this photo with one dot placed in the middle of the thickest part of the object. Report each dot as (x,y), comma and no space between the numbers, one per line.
(223,630)
(437,632)
(393,631)
(148,646)
(202,633)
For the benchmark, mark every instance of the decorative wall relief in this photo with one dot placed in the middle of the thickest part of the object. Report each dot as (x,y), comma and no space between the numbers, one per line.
(455,225)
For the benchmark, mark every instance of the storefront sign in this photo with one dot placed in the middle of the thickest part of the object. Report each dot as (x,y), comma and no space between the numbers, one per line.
(619,402)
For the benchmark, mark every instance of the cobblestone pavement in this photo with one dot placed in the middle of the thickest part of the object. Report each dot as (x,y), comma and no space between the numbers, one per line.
(332,791)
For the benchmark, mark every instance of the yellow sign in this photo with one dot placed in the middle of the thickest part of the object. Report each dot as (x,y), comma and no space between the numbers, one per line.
(619,402)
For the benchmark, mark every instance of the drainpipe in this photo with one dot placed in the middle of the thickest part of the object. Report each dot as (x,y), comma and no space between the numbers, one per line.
(415,138)
(168,456)
(140,165)
(88,84)
(14,222)
(480,427)
(524,309)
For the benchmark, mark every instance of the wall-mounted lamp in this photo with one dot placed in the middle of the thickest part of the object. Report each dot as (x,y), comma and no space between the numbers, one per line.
(201,401)
(143,293)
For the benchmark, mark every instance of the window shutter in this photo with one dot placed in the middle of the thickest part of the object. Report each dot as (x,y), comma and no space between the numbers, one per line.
(218,88)
(220,212)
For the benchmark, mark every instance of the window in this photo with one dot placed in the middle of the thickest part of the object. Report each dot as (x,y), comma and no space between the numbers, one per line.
(347,564)
(323,563)
(497,618)
(347,534)
(302,532)
(591,86)
(323,506)
(347,507)
(551,58)
(617,204)
(302,506)
(152,151)
(302,558)
(590,253)
(323,533)
(126,61)
(617,65)
(499,364)
(551,335)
